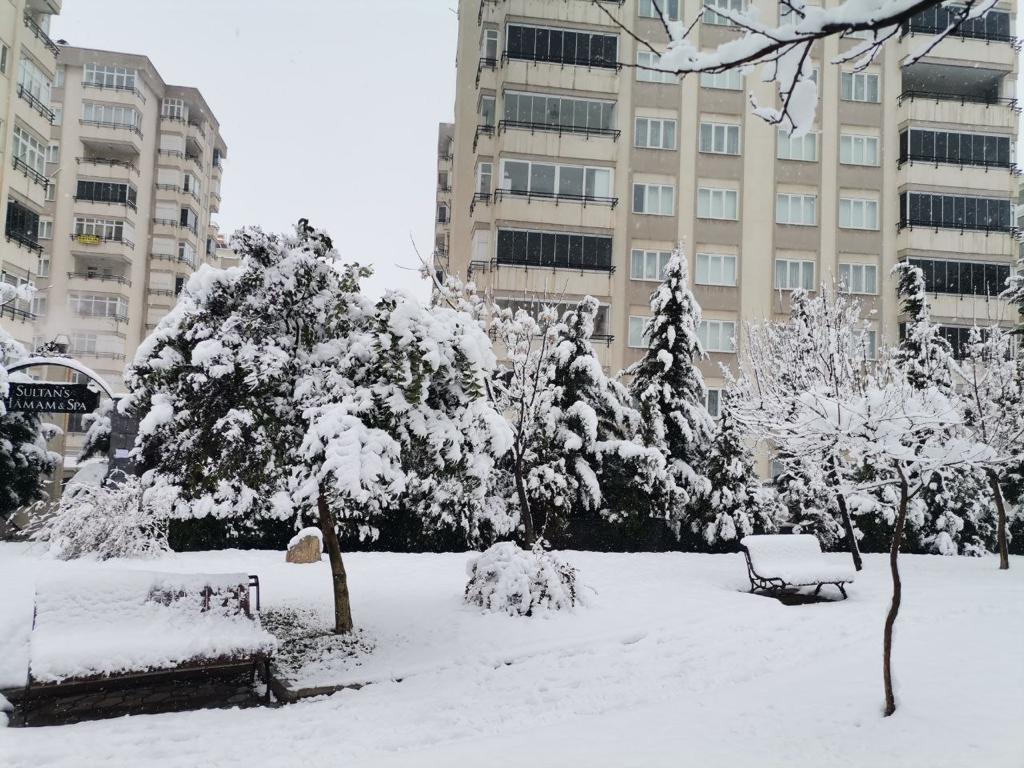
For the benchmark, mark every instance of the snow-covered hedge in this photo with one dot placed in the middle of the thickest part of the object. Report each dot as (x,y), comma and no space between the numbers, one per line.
(110,520)
(518,581)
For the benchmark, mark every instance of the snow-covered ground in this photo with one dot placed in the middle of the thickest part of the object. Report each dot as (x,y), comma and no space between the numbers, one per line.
(671,664)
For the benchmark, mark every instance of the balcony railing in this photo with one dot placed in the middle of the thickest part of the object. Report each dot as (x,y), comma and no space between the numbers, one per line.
(573,265)
(109,162)
(126,203)
(963,32)
(484,129)
(85,238)
(961,98)
(171,152)
(115,126)
(15,313)
(119,279)
(20,165)
(523,125)
(99,355)
(176,224)
(41,35)
(161,292)
(122,88)
(116,317)
(482,198)
(169,187)
(25,241)
(911,158)
(485,63)
(958,226)
(556,197)
(189,261)
(27,96)
(565,61)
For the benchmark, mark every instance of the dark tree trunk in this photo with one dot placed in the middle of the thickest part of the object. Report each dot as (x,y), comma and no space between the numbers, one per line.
(524,504)
(339,579)
(997,492)
(897,594)
(858,563)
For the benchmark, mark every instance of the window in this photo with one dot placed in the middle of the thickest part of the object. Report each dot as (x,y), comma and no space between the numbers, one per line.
(29,149)
(22,224)
(487,110)
(58,113)
(106,192)
(638,332)
(716,269)
(186,253)
(647,69)
(39,305)
(864,344)
(710,17)
(106,229)
(858,278)
(796,209)
(963,278)
(442,213)
(956,148)
(110,113)
(46,229)
(109,76)
(189,220)
(489,45)
(572,182)
(654,199)
(791,274)
(670,9)
(98,306)
(717,203)
(59,81)
(717,335)
(33,80)
(563,46)
(713,401)
(803,148)
(858,214)
(720,138)
(5,55)
(859,86)
(179,285)
(654,133)
(567,250)
(578,114)
(53,153)
(84,343)
(858,150)
(51,192)
(955,212)
(174,109)
(43,267)
(484,178)
(730,80)
(648,265)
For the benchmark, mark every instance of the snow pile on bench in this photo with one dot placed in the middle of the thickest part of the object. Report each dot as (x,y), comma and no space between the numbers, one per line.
(135,621)
(795,558)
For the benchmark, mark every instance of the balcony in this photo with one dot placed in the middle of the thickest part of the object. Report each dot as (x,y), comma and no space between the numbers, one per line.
(479,198)
(964,110)
(91,281)
(41,36)
(175,225)
(14,313)
(542,73)
(115,165)
(30,173)
(113,90)
(117,317)
(520,280)
(913,238)
(192,262)
(116,207)
(44,111)
(986,39)
(917,170)
(85,238)
(485,64)
(563,210)
(482,130)
(105,137)
(23,240)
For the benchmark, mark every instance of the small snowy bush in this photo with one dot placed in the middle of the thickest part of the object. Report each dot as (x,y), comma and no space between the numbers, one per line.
(110,520)
(518,581)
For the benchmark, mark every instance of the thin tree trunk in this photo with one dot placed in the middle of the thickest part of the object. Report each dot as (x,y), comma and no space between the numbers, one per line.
(342,606)
(897,594)
(524,503)
(858,563)
(1004,549)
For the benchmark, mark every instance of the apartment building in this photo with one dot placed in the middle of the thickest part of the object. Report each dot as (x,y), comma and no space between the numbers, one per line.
(28,65)
(572,174)
(112,209)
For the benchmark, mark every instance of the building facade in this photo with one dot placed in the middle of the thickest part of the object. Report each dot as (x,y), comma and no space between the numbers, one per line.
(572,174)
(124,186)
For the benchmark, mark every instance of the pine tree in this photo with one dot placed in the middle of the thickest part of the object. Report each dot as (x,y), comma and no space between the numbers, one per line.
(737,504)
(669,389)
(923,354)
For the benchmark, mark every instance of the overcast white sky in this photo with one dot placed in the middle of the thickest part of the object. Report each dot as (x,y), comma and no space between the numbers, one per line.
(329,108)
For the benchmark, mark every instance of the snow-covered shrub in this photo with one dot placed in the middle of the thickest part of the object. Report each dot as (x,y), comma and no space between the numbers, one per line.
(507,579)
(109,520)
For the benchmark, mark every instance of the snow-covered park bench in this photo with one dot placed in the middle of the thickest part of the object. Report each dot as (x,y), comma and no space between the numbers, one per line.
(127,629)
(786,561)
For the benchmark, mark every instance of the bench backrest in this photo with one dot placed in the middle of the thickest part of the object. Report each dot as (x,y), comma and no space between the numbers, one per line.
(768,551)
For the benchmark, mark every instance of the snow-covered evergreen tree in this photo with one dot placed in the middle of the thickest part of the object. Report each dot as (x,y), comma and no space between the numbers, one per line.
(738,504)
(276,389)
(669,389)
(923,354)
(25,460)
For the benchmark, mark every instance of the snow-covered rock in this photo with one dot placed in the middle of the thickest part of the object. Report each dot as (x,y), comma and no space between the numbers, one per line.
(305,546)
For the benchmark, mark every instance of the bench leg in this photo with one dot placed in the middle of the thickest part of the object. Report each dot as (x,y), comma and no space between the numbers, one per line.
(817,589)
(843,590)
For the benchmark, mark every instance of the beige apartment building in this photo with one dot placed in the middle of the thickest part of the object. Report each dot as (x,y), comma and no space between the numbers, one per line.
(572,175)
(114,213)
